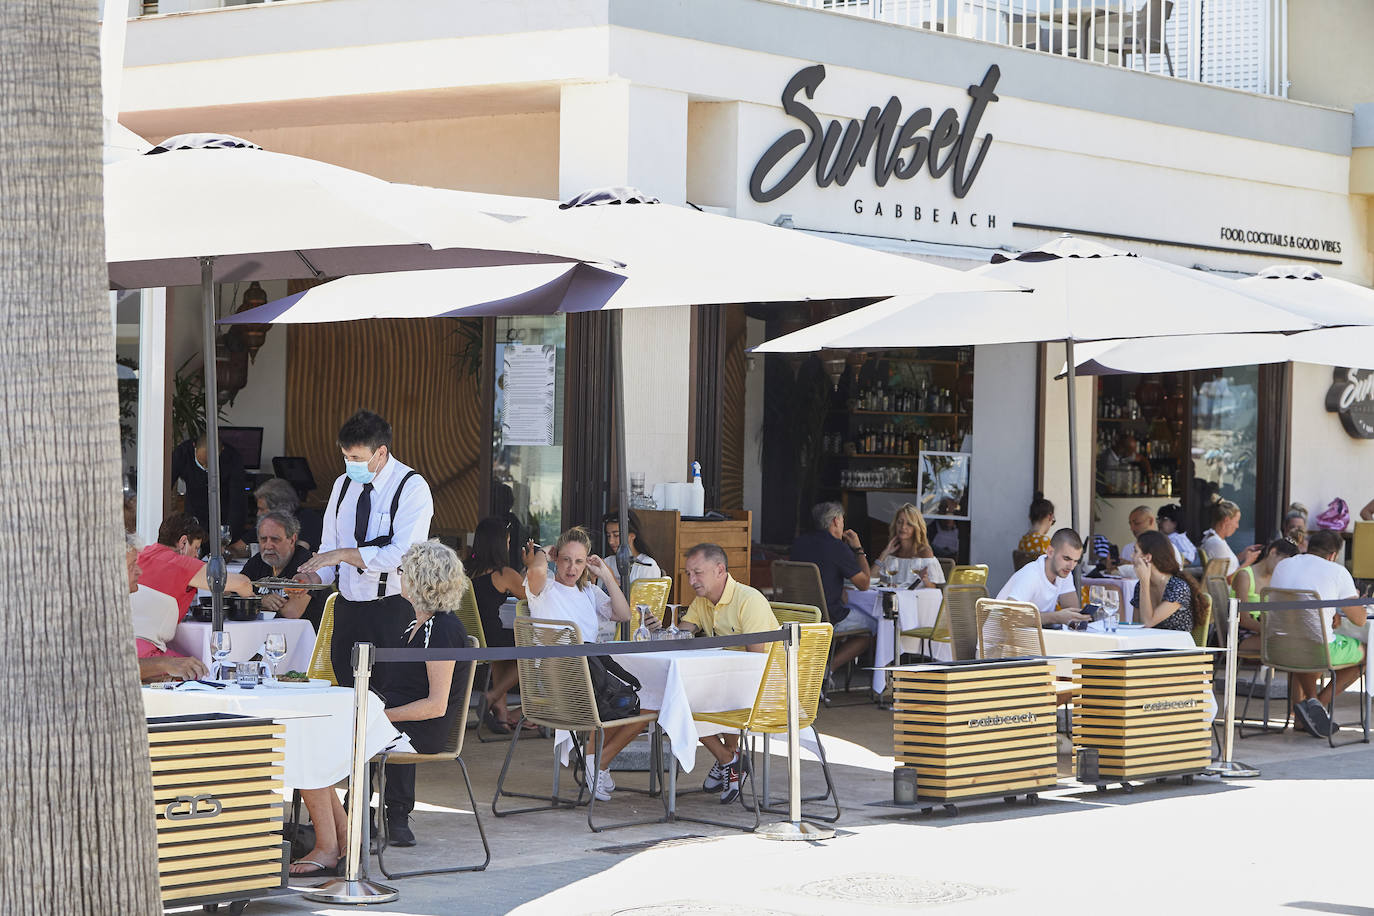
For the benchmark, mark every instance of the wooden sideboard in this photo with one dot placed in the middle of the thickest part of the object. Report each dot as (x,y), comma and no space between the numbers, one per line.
(671,536)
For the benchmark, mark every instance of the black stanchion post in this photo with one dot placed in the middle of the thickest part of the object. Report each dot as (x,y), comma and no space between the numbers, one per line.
(353,887)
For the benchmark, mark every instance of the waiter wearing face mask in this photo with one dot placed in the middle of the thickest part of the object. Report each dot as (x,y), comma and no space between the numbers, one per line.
(376,510)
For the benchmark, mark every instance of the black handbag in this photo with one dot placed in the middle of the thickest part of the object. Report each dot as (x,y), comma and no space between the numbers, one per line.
(613,687)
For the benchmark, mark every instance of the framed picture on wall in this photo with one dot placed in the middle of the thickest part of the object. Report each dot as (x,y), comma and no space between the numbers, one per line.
(944,484)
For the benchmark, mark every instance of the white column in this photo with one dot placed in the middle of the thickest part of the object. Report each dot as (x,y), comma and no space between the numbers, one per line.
(1056,440)
(615,133)
(152,402)
(1003,479)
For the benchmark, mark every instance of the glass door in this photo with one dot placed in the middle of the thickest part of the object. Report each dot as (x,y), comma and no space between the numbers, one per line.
(527,428)
(1224,445)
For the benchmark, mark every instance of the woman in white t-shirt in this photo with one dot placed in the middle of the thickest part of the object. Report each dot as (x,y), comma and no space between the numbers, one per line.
(643,565)
(569,595)
(1225,522)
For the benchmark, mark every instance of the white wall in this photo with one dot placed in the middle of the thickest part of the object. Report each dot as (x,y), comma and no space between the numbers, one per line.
(1056,461)
(1325,462)
(1003,454)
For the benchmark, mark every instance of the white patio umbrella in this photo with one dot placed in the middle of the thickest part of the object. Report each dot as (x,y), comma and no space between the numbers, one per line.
(1081,291)
(1346,308)
(214,208)
(673,256)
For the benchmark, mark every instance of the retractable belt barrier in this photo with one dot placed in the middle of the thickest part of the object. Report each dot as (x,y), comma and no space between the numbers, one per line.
(354,887)
(570,651)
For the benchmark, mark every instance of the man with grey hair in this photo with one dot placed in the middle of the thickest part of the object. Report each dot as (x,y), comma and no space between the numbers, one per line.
(280,556)
(840,557)
(723,607)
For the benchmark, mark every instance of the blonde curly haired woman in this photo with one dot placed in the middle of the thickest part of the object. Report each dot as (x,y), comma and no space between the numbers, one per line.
(421,698)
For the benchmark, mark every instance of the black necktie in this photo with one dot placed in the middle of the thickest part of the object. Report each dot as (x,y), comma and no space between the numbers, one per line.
(360,521)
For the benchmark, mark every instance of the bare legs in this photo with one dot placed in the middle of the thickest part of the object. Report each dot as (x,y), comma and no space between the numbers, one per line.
(504,676)
(331,829)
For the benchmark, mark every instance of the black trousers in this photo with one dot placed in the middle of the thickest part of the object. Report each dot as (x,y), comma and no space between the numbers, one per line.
(380,622)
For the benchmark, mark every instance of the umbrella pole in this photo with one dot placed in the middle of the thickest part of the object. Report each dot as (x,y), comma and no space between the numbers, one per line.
(622,556)
(1073,448)
(215,572)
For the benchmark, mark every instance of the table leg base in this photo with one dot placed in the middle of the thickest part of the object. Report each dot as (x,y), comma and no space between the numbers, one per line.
(1232,769)
(341,890)
(786,830)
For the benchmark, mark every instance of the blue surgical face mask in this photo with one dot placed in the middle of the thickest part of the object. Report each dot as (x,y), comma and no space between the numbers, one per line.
(357,471)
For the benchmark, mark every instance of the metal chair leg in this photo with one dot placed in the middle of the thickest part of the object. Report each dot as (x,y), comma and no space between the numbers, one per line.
(828,793)
(598,741)
(743,750)
(386,838)
(554,800)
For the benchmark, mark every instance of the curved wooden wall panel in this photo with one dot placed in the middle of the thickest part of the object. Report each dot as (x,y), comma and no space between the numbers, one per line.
(411,373)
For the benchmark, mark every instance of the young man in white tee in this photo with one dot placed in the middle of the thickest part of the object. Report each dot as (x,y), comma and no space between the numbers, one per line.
(1318,571)
(1047,582)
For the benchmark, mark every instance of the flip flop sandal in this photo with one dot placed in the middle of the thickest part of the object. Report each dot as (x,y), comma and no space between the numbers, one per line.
(320,870)
(494,723)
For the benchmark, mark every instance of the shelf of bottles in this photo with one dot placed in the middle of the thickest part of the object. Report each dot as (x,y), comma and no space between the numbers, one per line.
(1141,440)
(892,406)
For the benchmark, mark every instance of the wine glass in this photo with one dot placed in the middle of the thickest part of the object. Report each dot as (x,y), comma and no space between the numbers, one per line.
(274,647)
(891,568)
(673,631)
(220,647)
(1111,606)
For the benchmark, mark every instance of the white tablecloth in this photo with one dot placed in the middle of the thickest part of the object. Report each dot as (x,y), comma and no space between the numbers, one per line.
(319,724)
(193,639)
(918,608)
(1079,642)
(679,683)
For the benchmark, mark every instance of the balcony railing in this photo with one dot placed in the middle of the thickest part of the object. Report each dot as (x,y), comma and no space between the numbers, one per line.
(1240,44)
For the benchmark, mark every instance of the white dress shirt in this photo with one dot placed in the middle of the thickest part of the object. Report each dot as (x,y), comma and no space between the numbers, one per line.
(413,516)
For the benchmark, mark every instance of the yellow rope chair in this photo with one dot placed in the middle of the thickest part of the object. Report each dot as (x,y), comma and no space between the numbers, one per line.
(654,593)
(320,665)
(768,715)
(968,575)
(452,751)
(795,613)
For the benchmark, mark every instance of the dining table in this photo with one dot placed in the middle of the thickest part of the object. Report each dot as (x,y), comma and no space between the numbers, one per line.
(246,637)
(318,721)
(915,608)
(1065,644)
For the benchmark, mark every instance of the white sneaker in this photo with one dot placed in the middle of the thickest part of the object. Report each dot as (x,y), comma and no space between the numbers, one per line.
(598,781)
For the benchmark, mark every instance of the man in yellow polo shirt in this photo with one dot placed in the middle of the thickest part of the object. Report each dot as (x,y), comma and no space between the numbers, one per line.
(723,607)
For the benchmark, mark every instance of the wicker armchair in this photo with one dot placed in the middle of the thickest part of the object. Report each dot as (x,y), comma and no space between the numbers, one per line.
(452,751)
(556,693)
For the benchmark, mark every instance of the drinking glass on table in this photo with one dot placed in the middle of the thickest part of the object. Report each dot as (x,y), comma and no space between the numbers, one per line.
(1111,607)
(891,568)
(274,647)
(673,631)
(220,647)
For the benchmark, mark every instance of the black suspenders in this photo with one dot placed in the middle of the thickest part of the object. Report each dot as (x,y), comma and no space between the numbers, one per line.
(382,540)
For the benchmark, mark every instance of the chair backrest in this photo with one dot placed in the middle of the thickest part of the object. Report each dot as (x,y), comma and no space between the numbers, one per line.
(1020,558)
(472,620)
(1220,594)
(522,608)
(654,593)
(1008,629)
(1202,619)
(947,565)
(968,575)
(1150,18)
(770,704)
(554,692)
(1293,640)
(320,663)
(453,745)
(961,619)
(1216,567)
(795,613)
(1124,611)
(799,583)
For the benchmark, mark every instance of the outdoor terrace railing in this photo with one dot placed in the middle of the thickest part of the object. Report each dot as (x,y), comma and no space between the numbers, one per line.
(1239,44)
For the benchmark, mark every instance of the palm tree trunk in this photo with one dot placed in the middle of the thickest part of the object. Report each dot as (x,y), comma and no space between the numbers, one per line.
(76,811)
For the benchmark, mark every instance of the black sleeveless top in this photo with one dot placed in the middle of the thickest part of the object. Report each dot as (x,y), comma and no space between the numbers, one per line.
(489,601)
